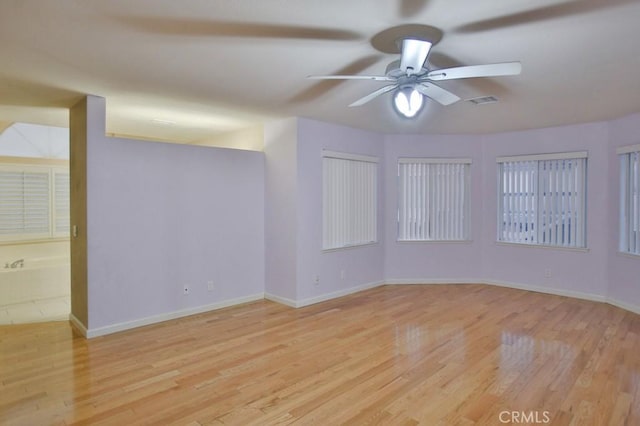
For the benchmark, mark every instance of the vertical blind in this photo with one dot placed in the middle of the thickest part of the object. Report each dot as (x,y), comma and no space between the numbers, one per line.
(630,201)
(31,201)
(542,199)
(349,200)
(433,199)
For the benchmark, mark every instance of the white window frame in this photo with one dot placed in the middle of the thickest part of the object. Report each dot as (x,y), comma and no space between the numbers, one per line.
(629,235)
(549,218)
(58,200)
(349,200)
(431,206)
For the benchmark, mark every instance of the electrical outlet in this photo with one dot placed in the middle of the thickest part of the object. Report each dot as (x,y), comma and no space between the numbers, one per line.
(185,290)
(343,274)
(209,285)
(317,280)
(547,273)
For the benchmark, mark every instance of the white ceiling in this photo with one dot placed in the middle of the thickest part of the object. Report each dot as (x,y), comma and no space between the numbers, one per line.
(211,66)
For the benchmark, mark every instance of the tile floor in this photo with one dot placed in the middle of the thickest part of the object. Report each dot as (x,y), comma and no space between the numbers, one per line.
(54,309)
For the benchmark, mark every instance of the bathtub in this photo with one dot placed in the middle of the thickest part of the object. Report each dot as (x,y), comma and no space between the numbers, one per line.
(39,278)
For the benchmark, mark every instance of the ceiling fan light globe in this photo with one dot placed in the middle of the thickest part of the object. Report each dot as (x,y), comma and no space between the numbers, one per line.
(408,102)
(401,103)
(415,101)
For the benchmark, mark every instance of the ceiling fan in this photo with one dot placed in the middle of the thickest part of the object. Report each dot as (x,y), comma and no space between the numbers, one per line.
(411,78)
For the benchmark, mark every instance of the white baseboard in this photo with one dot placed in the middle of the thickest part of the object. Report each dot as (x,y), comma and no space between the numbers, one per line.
(114,328)
(417,281)
(519,286)
(336,294)
(282,300)
(623,305)
(547,290)
(78,325)
(322,297)
(411,281)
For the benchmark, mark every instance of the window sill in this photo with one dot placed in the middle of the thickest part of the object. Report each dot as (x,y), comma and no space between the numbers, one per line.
(629,255)
(540,246)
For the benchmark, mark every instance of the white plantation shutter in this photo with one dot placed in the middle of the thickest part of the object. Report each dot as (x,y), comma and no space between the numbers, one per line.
(349,200)
(433,201)
(630,199)
(61,204)
(24,203)
(34,202)
(542,199)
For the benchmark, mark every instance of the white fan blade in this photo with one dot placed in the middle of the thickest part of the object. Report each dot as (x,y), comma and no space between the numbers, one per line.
(414,53)
(374,95)
(351,77)
(489,70)
(437,93)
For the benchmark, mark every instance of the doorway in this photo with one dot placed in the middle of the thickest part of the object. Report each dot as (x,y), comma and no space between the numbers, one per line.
(34,224)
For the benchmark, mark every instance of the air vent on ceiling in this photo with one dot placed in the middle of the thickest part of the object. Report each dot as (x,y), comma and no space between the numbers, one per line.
(483,100)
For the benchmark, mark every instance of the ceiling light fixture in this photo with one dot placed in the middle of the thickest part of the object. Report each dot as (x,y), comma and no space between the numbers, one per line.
(408,101)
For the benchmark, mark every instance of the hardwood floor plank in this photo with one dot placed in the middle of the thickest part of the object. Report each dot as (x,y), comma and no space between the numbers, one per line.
(416,354)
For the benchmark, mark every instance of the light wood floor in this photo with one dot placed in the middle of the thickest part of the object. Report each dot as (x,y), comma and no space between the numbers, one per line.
(445,354)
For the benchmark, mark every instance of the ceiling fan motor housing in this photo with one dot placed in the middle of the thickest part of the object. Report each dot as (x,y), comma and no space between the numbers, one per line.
(394,71)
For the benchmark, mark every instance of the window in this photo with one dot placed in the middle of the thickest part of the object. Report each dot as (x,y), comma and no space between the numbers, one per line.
(433,199)
(34,202)
(630,199)
(542,199)
(349,200)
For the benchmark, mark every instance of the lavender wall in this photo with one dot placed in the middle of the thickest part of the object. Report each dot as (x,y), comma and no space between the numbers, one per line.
(281,208)
(432,261)
(624,270)
(362,266)
(164,215)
